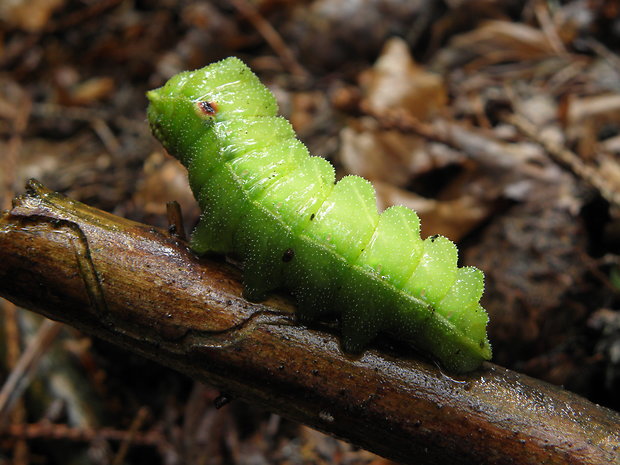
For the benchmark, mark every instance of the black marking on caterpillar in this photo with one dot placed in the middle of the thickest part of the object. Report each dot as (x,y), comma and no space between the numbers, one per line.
(288,255)
(208,108)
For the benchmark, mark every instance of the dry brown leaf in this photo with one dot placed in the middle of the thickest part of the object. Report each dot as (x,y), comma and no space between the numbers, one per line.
(450,218)
(396,81)
(31,15)
(307,110)
(496,42)
(610,169)
(378,154)
(606,106)
(164,180)
(587,116)
(92,90)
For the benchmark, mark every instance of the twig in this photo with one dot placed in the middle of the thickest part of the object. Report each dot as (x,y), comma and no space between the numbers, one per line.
(91,11)
(47,430)
(600,49)
(568,158)
(22,374)
(161,302)
(541,9)
(134,428)
(13,148)
(12,344)
(469,141)
(271,36)
(175,220)
(89,115)
(106,135)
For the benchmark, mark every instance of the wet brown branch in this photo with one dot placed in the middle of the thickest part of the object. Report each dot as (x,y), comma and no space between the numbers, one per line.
(141,288)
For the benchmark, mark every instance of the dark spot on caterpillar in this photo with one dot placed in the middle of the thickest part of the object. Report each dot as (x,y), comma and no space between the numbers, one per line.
(208,108)
(433,238)
(288,255)
(221,400)
(311,217)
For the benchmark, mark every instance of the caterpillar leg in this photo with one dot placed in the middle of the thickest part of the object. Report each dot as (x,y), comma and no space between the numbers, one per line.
(363,306)
(267,246)
(314,276)
(224,206)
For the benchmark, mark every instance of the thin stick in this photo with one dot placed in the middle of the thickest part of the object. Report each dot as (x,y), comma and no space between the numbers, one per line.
(569,159)
(175,220)
(22,374)
(134,428)
(271,36)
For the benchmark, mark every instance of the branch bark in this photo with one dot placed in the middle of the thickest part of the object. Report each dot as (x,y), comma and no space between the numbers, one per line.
(142,289)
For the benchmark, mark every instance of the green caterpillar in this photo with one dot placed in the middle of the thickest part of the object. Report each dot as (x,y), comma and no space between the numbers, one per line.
(268,202)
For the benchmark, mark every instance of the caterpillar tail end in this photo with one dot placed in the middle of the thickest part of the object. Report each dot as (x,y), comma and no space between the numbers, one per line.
(468,359)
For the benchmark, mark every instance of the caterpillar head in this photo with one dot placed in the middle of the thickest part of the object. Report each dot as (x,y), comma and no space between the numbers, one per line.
(225,90)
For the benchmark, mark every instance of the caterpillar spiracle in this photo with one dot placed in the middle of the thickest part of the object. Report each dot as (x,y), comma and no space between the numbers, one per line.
(268,202)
